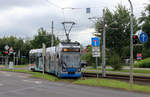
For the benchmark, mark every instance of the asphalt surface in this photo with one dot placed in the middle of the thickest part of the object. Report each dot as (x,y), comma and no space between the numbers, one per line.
(21,85)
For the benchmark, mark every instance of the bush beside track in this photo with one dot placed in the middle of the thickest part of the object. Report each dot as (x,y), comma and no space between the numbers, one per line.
(143,63)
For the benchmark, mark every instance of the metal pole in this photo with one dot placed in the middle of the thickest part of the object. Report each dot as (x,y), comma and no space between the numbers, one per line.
(131,46)
(44,54)
(2,60)
(7,60)
(14,58)
(96,67)
(103,47)
(52,40)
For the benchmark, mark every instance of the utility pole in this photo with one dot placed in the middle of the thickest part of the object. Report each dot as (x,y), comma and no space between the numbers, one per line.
(14,57)
(43,55)
(52,37)
(131,45)
(103,47)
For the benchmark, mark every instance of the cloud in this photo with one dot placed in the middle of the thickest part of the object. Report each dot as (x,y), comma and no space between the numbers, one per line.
(6,4)
(25,20)
(23,17)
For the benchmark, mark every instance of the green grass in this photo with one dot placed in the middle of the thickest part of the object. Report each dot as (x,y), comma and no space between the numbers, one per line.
(119,73)
(143,63)
(21,66)
(16,66)
(45,76)
(112,84)
(124,70)
(16,70)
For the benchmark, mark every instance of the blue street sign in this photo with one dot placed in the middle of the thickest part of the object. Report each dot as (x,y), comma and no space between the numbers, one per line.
(88,10)
(95,41)
(143,37)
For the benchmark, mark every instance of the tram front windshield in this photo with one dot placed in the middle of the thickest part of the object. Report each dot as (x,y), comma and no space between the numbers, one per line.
(71,59)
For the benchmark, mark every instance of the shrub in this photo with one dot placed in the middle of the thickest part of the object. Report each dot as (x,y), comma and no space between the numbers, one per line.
(143,63)
(114,62)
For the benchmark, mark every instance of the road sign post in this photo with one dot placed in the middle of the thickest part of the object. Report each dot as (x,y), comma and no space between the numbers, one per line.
(96,50)
(6,58)
(6,47)
(131,44)
(44,55)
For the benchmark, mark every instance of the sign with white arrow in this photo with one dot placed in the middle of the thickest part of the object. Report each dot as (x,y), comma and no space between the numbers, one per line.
(95,46)
(6,47)
(143,37)
(95,41)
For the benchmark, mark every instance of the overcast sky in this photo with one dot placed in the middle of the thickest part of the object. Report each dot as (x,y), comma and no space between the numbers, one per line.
(22,18)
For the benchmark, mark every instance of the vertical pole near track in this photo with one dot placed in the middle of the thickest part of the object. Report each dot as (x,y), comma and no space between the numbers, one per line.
(14,57)
(52,37)
(103,47)
(96,67)
(44,55)
(131,45)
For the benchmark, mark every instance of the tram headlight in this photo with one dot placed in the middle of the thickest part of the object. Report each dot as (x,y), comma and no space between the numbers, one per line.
(71,50)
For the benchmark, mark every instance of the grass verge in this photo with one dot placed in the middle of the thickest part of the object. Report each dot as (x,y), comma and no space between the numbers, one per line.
(21,66)
(112,84)
(124,70)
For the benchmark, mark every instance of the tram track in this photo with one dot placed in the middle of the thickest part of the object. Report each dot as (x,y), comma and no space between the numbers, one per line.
(119,77)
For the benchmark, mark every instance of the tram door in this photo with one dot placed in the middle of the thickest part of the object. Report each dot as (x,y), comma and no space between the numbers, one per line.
(47,63)
(40,61)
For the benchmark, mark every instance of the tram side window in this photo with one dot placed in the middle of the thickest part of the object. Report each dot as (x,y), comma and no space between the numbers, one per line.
(32,59)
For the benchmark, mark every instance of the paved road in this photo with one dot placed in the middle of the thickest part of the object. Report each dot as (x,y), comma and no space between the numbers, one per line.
(21,85)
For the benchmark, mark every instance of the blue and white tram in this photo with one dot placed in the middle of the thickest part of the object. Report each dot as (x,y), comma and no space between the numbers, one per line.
(62,60)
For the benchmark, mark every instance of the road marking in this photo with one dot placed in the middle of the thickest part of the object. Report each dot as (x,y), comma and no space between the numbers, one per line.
(6,73)
(23,76)
(27,81)
(36,82)
(1,84)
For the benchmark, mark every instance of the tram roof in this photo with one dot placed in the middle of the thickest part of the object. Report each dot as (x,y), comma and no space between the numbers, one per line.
(36,51)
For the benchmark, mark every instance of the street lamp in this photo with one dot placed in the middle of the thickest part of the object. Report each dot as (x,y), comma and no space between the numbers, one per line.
(131,45)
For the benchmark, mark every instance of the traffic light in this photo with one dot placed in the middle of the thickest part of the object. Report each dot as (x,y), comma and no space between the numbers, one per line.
(4,53)
(135,39)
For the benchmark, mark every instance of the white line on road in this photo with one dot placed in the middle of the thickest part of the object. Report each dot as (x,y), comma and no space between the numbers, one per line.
(6,73)
(36,82)
(23,76)
(1,84)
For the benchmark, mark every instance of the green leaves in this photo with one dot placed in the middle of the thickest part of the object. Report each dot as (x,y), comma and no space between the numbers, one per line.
(117,29)
(144,20)
(43,37)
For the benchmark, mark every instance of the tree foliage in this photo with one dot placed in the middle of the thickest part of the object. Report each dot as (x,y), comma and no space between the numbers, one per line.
(89,59)
(43,37)
(22,48)
(117,29)
(144,20)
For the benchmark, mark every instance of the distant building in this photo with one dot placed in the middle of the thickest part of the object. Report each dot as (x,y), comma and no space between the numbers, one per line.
(84,51)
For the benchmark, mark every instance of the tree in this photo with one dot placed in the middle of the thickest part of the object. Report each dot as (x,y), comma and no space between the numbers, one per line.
(18,45)
(117,29)
(144,20)
(88,57)
(43,37)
